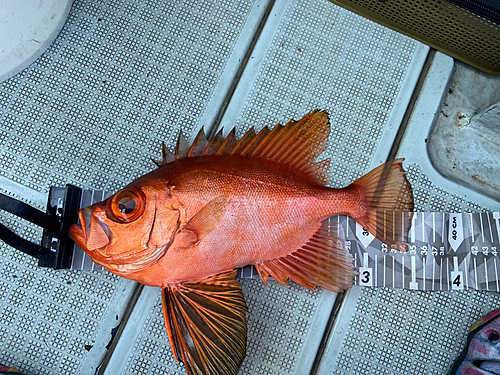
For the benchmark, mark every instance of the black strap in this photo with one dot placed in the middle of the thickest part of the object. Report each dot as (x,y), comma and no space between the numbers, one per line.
(57,248)
(29,213)
(37,251)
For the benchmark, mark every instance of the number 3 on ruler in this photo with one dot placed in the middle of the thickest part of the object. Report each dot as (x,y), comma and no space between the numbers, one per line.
(365,276)
(457,280)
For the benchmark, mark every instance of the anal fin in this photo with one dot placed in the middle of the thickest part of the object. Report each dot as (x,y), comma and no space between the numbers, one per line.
(206,324)
(323,261)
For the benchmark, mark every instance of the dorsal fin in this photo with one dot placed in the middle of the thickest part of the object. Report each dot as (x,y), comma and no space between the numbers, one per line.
(182,147)
(199,145)
(228,144)
(214,144)
(244,142)
(167,156)
(297,144)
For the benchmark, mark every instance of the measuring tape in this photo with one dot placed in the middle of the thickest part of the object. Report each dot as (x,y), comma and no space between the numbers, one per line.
(446,251)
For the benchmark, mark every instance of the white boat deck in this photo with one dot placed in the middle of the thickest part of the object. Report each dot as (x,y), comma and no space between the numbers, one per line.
(125,75)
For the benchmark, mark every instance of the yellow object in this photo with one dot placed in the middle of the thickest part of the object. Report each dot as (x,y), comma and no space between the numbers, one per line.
(439,24)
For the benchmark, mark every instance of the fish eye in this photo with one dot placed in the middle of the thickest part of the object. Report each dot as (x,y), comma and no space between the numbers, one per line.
(126,206)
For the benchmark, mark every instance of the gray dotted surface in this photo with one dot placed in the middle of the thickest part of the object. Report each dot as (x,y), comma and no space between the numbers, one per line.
(405,332)
(124,76)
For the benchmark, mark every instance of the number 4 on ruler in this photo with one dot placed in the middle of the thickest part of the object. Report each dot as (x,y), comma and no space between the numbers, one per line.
(457,282)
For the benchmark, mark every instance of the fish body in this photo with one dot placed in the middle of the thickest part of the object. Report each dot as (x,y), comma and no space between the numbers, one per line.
(269,211)
(224,204)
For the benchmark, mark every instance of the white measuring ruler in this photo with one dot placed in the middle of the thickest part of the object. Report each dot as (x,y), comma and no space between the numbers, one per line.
(446,251)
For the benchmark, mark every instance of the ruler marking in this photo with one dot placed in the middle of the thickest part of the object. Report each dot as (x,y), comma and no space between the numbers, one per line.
(482,226)
(475,271)
(423,229)
(385,267)
(347,226)
(441,276)
(486,274)
(489,226)
(447,274)
(413,283)
(403,270)
(472,228)
(496,273)
(412,230)
(356,266)
(443,227)
(433,276)
(466,272)
(433,227)
(393,272)
(405,239)
(423,273)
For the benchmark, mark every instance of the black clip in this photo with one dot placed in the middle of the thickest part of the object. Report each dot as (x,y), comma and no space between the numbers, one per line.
(56,249)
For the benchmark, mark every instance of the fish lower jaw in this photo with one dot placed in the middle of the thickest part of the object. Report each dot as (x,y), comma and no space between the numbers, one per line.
(135,266)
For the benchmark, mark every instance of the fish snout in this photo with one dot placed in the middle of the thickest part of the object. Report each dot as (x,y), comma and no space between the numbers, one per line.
(91,234)
(75,232)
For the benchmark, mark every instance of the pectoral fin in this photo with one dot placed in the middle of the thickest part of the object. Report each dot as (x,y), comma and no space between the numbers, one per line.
(206,324)
(208,218)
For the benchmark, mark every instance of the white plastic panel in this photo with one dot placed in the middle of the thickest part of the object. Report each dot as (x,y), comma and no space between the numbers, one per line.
(28,29)
(391,331)
(122,77)
(463,143)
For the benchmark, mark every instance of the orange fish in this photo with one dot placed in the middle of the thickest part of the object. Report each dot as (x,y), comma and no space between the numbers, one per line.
(217,205)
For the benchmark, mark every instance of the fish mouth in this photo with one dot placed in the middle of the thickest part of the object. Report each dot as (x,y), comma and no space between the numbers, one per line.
(76,233)
(90,234)
(134,260)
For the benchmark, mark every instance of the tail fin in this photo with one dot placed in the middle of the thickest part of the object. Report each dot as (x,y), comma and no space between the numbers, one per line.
(389,198)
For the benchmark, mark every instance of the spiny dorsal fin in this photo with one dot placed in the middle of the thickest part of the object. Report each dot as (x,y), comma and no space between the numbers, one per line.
(199,145)
(167,156)
(214,144)
(228,144)
(244,142)
(182,147)
(297,144)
